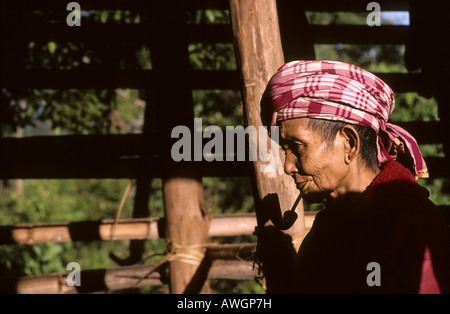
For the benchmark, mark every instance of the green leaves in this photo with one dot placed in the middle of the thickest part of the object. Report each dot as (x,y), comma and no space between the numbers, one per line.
(51,45)
(74,111)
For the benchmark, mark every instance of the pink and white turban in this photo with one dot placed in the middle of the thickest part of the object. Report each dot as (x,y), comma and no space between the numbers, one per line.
(339,91)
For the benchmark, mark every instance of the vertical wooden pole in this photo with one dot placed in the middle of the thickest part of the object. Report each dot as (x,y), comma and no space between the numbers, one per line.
(143,181)
(259,53)
(143,185)
(187,225)
(186,216)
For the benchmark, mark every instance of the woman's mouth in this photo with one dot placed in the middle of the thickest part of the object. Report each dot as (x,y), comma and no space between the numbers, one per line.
(300,185)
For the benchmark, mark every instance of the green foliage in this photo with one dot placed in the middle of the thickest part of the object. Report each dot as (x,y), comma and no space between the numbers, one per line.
(70,111)
(233,286)
(208,17)
(57,201)
(218,107)
(26,260)
(329,18)
(413,107)
(128,116)
(156,203)
(436,188)
(229,195)
(212,56)
(63,200)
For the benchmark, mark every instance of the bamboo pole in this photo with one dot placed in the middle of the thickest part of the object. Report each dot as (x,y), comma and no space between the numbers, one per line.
(187,225)
(136,276)
(259,53)
(187,219)
(227,225)
(242,251)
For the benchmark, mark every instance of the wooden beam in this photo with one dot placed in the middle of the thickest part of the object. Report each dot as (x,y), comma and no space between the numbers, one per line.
(406,82)
(117,278)
(259,54)
(117,156)
(133,5)
(115,169)
(101,78)
(359,34)
(94,34)
(71,146)
(55,5)
(25,168)
(241,251)
(354,5)
(430,132)
(232,270)
(232,225)
(438,167)
(224,225)
(138,79)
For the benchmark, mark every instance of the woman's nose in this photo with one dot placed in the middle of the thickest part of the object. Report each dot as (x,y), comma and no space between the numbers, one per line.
(290,163)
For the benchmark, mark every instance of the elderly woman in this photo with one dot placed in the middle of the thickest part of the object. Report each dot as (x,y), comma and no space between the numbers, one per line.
(379,232)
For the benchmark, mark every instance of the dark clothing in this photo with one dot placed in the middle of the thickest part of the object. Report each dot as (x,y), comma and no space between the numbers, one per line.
(395,225)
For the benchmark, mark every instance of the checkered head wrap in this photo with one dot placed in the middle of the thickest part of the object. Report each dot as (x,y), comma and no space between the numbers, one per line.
(341,91)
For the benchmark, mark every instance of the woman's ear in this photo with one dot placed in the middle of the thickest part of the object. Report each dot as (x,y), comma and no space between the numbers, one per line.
(351,142)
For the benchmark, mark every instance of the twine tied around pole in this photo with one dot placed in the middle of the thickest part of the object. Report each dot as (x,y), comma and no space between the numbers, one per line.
(190,254)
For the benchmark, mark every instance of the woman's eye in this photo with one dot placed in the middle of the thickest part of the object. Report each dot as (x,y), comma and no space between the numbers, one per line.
(297,146)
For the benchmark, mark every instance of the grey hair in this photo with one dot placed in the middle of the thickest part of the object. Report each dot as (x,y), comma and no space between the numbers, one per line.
(368,137)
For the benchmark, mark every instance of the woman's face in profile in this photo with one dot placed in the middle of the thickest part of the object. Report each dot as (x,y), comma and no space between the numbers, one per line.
(309,158)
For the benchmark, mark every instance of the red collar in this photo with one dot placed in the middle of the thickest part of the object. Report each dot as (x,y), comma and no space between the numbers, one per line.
(392,171)
(393,182)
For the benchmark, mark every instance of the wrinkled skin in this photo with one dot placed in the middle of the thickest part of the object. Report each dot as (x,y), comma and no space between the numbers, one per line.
(335,169)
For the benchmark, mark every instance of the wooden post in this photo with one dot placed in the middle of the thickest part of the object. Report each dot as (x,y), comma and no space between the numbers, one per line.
(187,219)
(187,225)
(259,53)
